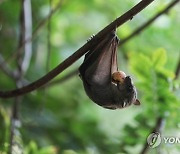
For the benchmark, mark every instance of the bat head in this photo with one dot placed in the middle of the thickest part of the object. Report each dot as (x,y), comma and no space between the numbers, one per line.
(128,84)
(128,91)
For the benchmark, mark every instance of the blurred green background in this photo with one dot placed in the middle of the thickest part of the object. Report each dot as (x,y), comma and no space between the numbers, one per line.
(61,118)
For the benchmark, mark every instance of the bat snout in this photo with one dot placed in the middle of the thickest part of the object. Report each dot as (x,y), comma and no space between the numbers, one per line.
(129,84)
(128,81)
(128,78)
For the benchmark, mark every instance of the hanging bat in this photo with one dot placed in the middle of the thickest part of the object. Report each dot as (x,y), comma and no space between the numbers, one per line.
(102,81)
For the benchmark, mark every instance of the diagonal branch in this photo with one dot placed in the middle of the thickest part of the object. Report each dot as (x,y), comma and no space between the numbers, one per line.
(6,69)
(123,41)
(66,77)
(159,126)
(177,71)
(9,72)
(44,21)
(145,25)
(80,52)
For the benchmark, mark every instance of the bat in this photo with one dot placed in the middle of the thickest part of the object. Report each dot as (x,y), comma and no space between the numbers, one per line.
(103,83)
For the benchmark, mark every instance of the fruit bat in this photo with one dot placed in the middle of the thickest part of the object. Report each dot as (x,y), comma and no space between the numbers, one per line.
(103,83)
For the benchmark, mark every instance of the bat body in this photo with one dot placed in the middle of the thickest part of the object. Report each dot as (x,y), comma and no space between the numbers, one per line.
(96,73)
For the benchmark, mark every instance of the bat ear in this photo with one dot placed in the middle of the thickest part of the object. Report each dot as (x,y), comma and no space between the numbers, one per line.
(137,102)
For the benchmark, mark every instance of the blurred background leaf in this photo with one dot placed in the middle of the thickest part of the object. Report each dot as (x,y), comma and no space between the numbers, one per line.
(61,118)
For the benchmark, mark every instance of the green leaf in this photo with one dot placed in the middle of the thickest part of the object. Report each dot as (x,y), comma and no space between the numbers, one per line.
(159,57)
(31,148)
(166,73)
(48,150)
(140,65)
(69,152)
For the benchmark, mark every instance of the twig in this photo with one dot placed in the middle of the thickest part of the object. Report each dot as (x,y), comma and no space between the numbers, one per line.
(80,52)
(44,99)
(15,124)
(123,41)
(3,65)
(27,34)
(159,126)
(25,31)
(49,37)
(35,32)
(44,21)
(66,77)
(6,69)
(160,123)
(177,71)
(9,72)
(145,25)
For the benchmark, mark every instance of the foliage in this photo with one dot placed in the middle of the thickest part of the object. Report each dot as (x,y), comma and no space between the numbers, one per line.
(156,87)
(61,118)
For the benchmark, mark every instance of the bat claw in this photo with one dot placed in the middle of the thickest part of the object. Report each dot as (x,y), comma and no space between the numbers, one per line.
(124,104)
(92,36)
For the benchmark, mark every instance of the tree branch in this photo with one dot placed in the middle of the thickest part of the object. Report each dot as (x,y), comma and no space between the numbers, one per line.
(145,25)
(160,123)
(27,34)
(122,42)
(9,72)
(66,77)
(23,64)
(44,21)
(80,52)
(6,69)
(177,71)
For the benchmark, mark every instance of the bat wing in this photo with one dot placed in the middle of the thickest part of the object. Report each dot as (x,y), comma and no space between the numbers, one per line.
(100,63)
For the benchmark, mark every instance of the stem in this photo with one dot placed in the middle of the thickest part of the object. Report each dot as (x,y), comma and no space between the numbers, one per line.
(23,64)
(122,42)
(49,37)
(80,52)
(145,25)
(35,32)
(64,78)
